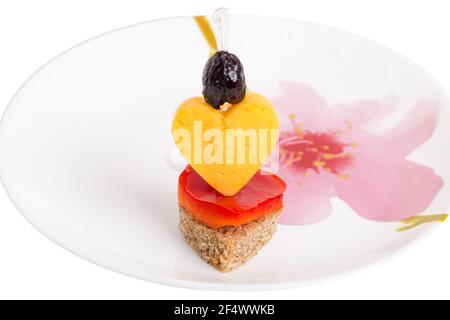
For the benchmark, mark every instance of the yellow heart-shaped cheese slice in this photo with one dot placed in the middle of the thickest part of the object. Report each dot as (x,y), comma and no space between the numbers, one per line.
(226,148)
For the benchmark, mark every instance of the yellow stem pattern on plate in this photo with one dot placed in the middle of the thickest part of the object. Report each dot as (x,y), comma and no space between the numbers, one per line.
(419,220)
(208,33)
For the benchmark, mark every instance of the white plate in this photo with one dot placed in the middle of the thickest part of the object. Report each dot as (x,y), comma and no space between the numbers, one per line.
(86,152)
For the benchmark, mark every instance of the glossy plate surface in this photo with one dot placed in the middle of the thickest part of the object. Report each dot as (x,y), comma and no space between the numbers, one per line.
(87,157)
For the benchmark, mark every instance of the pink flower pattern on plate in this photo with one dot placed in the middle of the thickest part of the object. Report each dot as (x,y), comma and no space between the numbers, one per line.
(328,151)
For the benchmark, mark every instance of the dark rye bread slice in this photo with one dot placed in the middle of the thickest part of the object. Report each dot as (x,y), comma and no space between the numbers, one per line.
(228,247)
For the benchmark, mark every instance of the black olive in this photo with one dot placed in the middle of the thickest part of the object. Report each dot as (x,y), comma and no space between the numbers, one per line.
(223,79)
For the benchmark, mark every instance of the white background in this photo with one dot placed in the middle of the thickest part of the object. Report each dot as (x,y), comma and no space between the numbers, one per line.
(32,32)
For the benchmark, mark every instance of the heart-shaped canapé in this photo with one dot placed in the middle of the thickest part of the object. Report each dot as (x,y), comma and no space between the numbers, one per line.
(226,148)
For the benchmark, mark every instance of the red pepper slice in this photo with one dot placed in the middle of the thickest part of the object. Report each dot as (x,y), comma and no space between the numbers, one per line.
(262,195)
